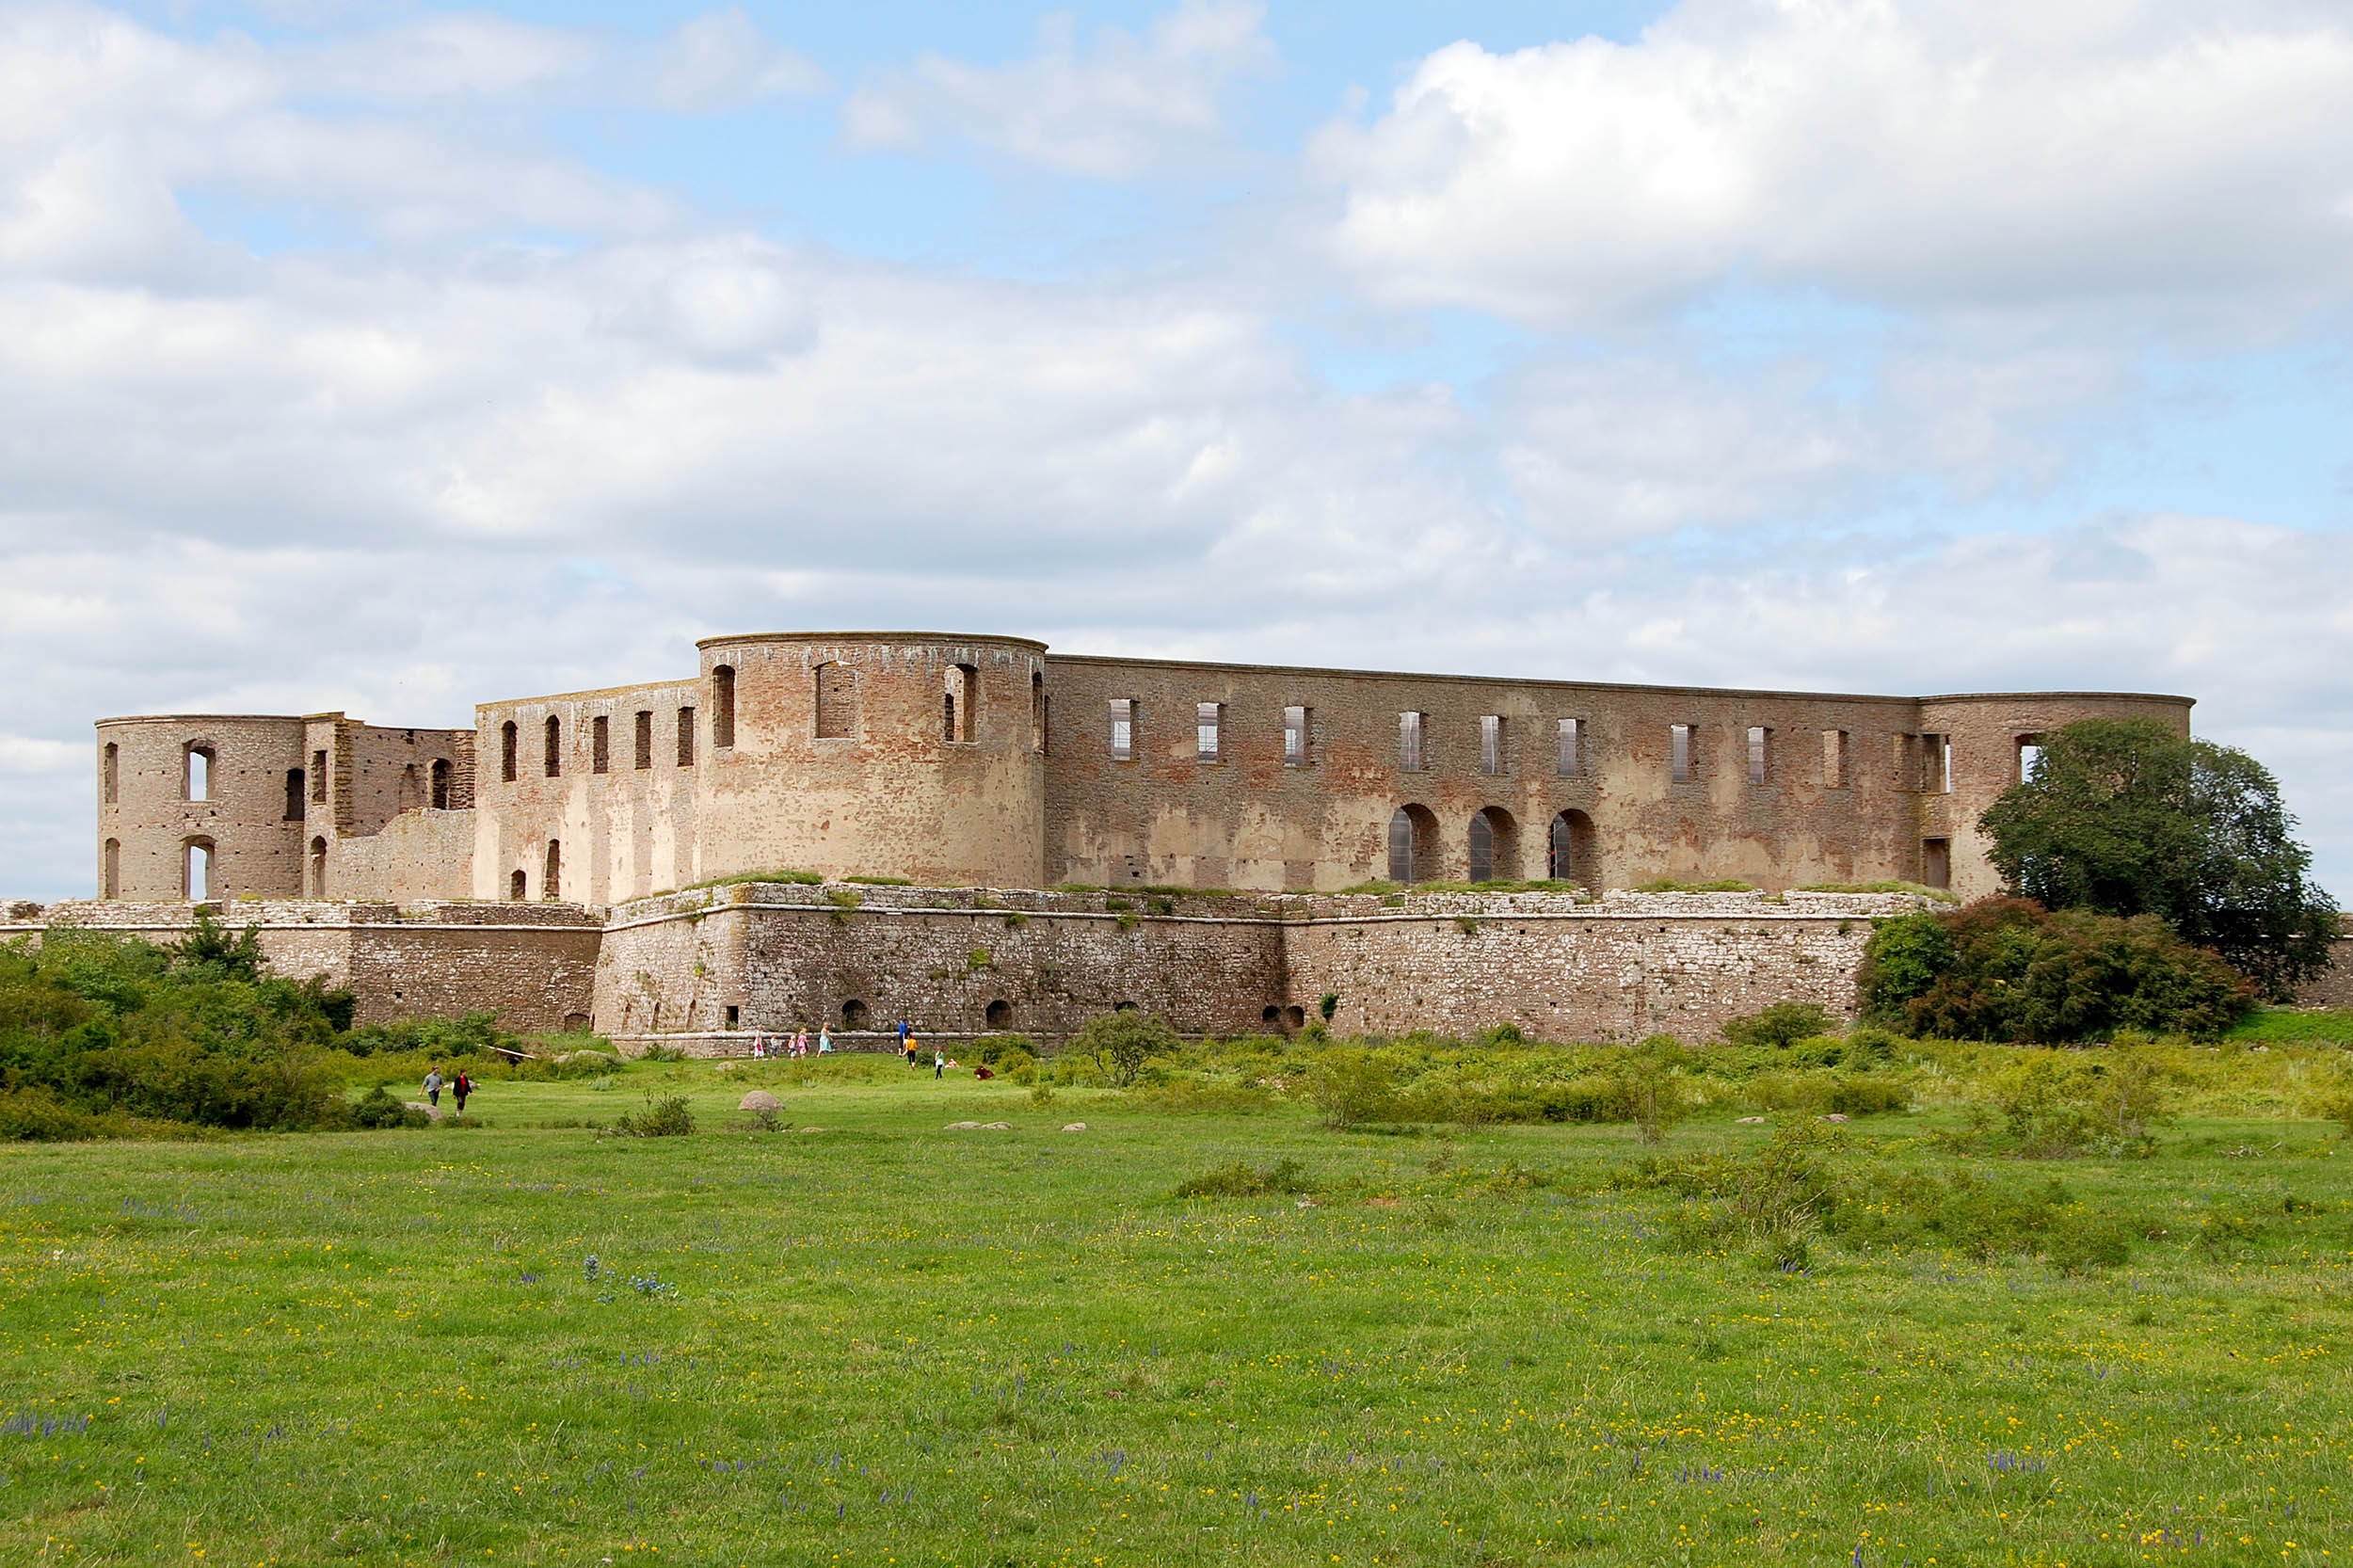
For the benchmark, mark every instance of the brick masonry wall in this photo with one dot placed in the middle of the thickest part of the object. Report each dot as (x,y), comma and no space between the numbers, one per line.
(256,848)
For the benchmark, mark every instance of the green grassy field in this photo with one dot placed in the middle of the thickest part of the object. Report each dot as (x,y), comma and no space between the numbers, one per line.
(887,1342)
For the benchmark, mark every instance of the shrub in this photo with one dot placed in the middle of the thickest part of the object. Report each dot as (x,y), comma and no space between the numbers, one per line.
(1241,1179)
(2007,970)
(379,1108)
(1005,1053)
(1780,1026)
(1652,1086)
(1121,1043)
(35,1114)
(668,1118)
(1349,1086)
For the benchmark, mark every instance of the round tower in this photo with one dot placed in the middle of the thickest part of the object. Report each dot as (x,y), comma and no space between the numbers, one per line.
(910,753)
(201,805)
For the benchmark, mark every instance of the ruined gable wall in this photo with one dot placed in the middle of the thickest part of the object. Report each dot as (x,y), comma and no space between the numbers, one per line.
(257,850)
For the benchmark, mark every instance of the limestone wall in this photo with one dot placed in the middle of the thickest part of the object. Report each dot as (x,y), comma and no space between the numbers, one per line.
(534,964)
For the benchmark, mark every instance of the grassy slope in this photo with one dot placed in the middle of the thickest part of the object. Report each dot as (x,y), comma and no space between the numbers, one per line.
(894,1343)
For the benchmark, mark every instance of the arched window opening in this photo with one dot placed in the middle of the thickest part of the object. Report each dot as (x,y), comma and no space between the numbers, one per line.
(960,704)
(515,885)
(1037,711)
(294,794)
(1296,1016)
(555,748)
(507,747)
(837,702)
(1575,855)
(1413,845)
(1123,1007)
(196,870)
(111,876)
(854,1015)
(441,784)
(1000,1014)
(196,773)
(723,706)
(318,868)
(575,1023)
(1494,846)
(111,760)
(1272,1014)
(552,884)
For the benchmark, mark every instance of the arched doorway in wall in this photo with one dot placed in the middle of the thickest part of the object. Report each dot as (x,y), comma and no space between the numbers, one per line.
(854,1015)
(515,885)
(1576,852)
(1494,846)
(1000,1014)
(1413,845)
(441,784)
(318,868)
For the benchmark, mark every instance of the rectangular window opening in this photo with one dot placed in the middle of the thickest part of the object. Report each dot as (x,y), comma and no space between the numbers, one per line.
(552,752)
(113,772)
(686,737)
(1409,742)
(1123,716)
(1760,754)
(1936,862)
(1571,762)
(1294,737)
(2029,756)
(1835,758)
(1208,730)
(1686,759)
(644,738)
(1490,743)
(600,744)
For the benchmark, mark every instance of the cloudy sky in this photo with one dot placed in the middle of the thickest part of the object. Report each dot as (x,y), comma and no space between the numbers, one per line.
(390,358)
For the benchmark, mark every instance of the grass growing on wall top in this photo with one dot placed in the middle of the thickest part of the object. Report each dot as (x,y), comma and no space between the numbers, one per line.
(1942,895)
(1188,1335)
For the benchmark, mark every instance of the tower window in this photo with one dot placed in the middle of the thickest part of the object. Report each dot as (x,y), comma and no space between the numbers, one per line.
(1683,742)
(196,870)
(1836,759)
(1491,743)
(111,773)
(294,794)
(1760,754)
(111,876)
(723,706)
(1409,744)
(837,702)
(960,703)
(1295,737)
(1208,730)
(1037,711)
(507,748)
(441,784)
(551,886)
(600,744)
(1123,716)
(196,772)
(318,775)
(644,738)
(554,747)
(686,737)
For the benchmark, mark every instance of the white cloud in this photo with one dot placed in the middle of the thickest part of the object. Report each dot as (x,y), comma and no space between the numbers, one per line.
(1933,151)
(720,60)
(1110,109)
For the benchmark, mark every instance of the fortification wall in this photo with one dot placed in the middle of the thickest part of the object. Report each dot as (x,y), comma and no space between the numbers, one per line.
(422,854)
(533,966)
(147,819)
(960,961)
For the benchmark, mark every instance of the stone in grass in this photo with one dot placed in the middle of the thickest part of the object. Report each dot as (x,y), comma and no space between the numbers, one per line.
(432,1112)
(1753,1121)
(963,1127)
(760,1099)
(1076,1126)
(996,1127)
(1835,1116)
(812,1129)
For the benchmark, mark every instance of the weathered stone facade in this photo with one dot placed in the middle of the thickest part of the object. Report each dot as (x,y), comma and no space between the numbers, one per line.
(956,761)
(984,761)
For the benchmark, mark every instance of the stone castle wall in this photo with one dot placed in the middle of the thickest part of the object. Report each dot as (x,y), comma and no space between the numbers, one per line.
(533,966)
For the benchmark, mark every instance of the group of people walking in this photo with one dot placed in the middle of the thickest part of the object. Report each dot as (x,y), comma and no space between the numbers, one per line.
(460,1087)
(765,1047)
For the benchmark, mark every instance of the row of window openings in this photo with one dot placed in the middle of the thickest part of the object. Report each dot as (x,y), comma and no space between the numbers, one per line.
(1570,851)
(196,780)
(1209,731)
(600,744)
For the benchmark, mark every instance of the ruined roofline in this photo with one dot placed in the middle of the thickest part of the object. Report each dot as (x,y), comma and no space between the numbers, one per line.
(866,637)
(688,684)
(330,716)
(1323,672)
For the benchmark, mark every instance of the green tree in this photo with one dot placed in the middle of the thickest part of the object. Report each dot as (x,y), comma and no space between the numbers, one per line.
(2126,817)
(1121,1043)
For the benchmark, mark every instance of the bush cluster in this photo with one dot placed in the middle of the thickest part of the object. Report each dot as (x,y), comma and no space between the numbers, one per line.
(2006,968)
